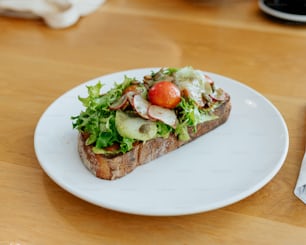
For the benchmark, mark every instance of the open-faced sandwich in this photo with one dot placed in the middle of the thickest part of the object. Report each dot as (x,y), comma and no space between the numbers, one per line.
(138,121)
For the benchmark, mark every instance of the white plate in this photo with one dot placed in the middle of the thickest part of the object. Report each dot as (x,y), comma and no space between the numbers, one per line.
(218,169)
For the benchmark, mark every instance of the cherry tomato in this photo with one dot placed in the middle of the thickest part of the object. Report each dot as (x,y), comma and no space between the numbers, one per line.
(112,148)
(165,94)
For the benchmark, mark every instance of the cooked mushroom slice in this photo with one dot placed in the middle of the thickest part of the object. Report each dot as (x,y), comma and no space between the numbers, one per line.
(120,103)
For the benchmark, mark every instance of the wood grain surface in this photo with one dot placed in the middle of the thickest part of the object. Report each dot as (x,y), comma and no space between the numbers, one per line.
(233,38)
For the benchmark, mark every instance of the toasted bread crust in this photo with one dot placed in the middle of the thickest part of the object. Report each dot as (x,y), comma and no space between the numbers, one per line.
(111,168)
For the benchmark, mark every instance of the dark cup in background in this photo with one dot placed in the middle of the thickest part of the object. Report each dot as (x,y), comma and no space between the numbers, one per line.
(292,11)
(297,7)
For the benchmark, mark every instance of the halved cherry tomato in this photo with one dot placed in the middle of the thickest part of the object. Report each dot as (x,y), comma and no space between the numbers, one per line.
(112,148)
(165,94)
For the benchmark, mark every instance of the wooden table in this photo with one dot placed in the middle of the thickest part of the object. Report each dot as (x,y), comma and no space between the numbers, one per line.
(232,38)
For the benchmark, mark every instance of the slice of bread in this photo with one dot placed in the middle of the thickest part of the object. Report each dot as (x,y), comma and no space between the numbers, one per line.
(114,167)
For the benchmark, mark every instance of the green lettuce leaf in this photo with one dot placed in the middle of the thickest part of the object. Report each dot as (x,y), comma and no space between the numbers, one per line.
(98,120)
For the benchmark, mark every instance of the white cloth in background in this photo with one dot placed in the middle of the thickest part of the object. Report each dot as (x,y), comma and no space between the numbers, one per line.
(55,13)
(300,188)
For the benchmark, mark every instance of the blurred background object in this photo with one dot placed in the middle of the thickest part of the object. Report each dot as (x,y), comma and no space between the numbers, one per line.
(292,10)
(55,13)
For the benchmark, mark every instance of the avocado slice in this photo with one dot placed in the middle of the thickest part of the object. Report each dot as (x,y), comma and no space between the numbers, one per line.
(135,127)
